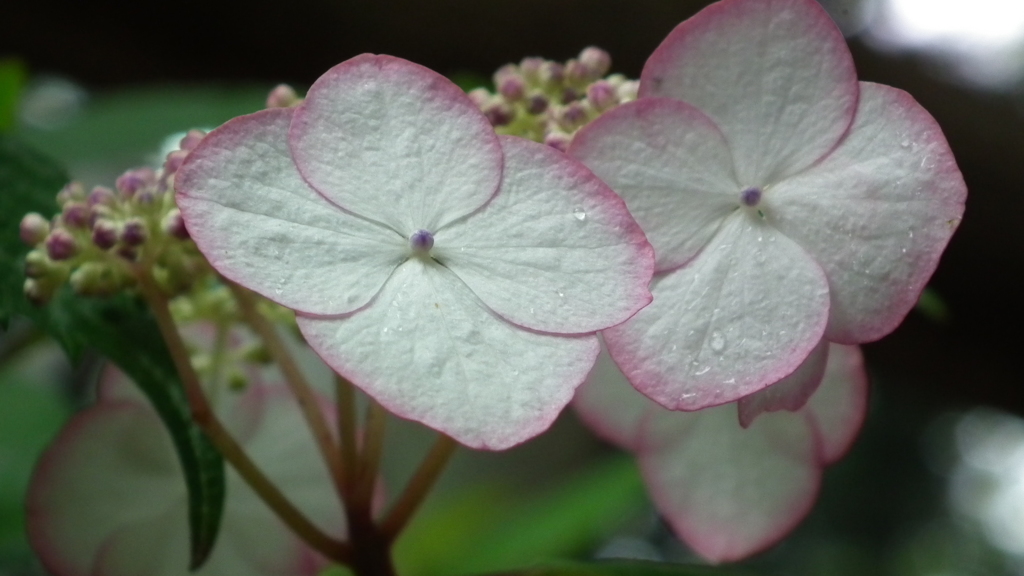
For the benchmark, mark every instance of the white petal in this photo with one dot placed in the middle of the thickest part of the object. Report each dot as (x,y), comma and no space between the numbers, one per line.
(397,143)
(727,491)
(610,406)
(876,213)
(775,75)
(261,225)
(671,165)
(741,316)
(555,250)
(427,349)
(790,393)
(841,402)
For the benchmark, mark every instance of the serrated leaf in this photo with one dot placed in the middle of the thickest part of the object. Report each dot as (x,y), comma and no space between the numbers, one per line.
(121,328)
(624,568)
(493,529)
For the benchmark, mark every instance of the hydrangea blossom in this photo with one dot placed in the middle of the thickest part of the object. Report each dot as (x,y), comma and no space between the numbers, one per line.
(786,201)
(727,490)
(456,276)
(108,497)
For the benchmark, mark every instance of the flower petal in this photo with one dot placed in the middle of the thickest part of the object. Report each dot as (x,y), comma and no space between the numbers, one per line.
(775,75)
(610,406)
(841,402)
(792,392)
(671,165)
(744,314)
(397,143)
(555,250)
(262,226)
(876,213)
(429,350)
(727,491)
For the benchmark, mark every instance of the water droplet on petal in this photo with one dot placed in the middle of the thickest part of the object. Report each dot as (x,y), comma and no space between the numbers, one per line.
(717,341)
(905,143)
(579,214)
(702,371)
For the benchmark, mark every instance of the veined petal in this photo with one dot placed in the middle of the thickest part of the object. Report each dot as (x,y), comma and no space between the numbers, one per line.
(840,405)
(610,406)
(262,226)
(727,491)
(744,314)
(671,165)
(876,213)
(775,76)
(792,392)
(555,250)
(397,143)
(427,349)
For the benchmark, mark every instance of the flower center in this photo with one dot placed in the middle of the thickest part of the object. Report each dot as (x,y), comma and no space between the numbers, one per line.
(421,241)
(751,196)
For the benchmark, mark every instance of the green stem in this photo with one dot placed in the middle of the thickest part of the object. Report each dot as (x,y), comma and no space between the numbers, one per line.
(207,420)
(419,485)
(346,399)
(300,387)
(373,446)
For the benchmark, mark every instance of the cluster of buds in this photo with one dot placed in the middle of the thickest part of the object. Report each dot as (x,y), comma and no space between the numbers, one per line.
(103,238)
(549,101)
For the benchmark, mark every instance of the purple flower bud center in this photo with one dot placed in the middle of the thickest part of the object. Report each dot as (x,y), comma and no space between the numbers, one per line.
(751,196)
(421,241)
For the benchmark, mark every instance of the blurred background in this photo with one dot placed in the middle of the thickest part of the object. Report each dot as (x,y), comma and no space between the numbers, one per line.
(934,486)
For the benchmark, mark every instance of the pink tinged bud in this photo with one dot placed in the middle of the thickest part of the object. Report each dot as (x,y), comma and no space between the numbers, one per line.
(572,117)
(530,69)
(512,88)
(174,225)
(597,61)
(134,232)
(60,245)
(128,253)
(577,73)
(76,214)
(537,104)
(174,161)
(558,140)
(499,114)
(481,97)
(282,96)
(552,74)
(602,95)
(70,192)
(751,197)
(191,140)
(33,229)
(505,72)
(421,241)
(101,196)
(104,234)
(132,181)
(570,95)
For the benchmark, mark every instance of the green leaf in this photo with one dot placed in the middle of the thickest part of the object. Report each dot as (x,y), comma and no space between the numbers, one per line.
(120,328)
(933,306)
(12,79)
(493,529)
(624,568)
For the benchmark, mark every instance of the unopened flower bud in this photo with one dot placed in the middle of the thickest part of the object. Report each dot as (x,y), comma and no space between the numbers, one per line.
(60,245)
(104,234)
(530,69)
(506,71)
(499,114)
(76,214)
(282,96)
(602,95)
(552,74)
(101,196)
(570,95)
(512,88)
(191,140)
(576,73)
(39,291)
(128,253)
(537,104)
(70,192)
(558,140)
(174,225)
(132,181)
(94,279)
(174,161)
(627,91)
(33,229)
(596,60)
(572,117)
(480,96)
(134,232)
(37,264)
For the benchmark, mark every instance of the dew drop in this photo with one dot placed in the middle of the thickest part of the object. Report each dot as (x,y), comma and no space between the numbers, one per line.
(717,341)
(905,143)
(579,214)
